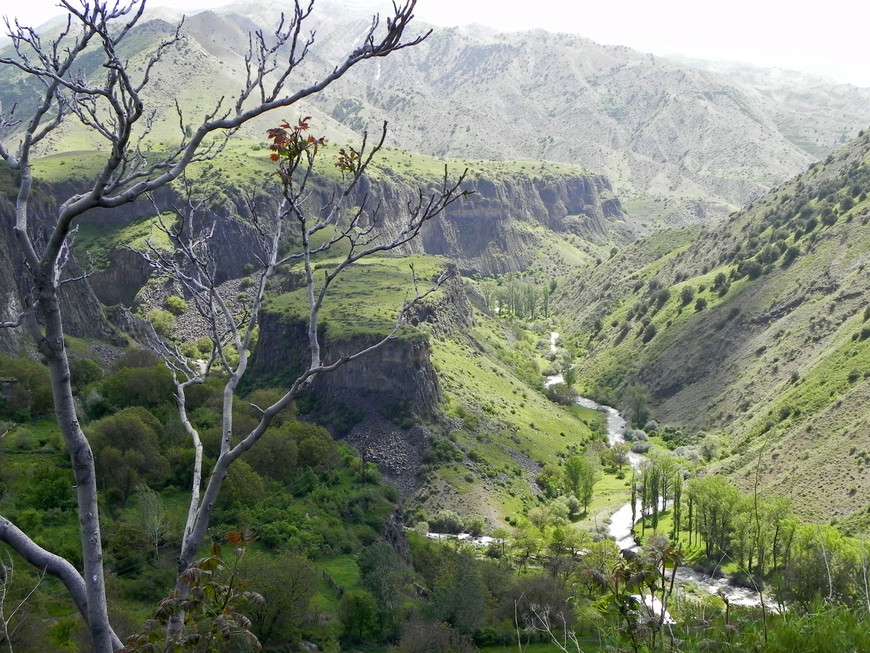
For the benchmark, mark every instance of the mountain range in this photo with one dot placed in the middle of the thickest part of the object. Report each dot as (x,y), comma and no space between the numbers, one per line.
(681,142)
(755,329)
(576,149)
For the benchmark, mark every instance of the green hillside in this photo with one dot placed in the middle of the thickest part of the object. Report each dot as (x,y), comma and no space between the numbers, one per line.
(201,449)
(755,331)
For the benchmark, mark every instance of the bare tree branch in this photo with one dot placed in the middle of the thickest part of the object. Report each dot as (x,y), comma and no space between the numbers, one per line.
(49,562)
(108,101)
(192,265)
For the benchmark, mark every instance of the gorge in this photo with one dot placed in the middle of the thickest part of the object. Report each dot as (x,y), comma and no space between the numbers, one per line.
(238,344)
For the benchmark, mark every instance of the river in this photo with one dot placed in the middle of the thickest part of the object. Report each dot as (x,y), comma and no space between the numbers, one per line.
(620,527)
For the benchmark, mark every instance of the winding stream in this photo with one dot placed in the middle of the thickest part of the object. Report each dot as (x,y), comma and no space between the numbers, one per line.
(621,524)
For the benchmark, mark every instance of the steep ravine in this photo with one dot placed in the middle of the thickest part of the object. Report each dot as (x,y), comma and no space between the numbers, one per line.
(620,528)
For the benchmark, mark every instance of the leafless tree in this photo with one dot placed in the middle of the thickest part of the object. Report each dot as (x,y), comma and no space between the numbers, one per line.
(538,618)
(108,100)
(193,265)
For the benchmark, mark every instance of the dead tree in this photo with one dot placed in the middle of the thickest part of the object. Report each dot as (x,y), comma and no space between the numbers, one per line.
(108,100)
(192,265)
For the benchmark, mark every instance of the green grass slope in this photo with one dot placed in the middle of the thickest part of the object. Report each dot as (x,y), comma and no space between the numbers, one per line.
(494,428)
(756,331)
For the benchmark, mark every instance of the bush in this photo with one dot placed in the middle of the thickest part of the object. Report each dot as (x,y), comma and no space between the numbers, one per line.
(139,386)
(96,405)
(446,521)
(751,269)
(687,294)
(175,305)
(476,526)
(138,357)
(30,393)
(560,393)
(242,485)
(49,488)
(636,435)
(83,372)
(790,255)
(127,449)
(721,284)
(163,322)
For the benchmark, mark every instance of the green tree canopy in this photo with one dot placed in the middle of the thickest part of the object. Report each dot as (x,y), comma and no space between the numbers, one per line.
(127,448)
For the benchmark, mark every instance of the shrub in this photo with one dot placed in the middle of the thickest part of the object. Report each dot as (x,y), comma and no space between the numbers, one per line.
(96,405)
(751,269)
(163,322)
(560,393)
(446,521)
(127,449)
(139,357)
(175,305)
(636,435)
(49,488)
(686,295)
(476,526)
(139,386)
(790,255)
(83,372)
(768,255)
(242,485)
(30,394)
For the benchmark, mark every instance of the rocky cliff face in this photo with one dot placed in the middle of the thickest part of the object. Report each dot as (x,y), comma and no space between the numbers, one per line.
(492,231)
(82,314)
(234,243)
(498,229)
(399,373)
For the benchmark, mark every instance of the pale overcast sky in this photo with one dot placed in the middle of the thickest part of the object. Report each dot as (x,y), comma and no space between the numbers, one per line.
(826,38)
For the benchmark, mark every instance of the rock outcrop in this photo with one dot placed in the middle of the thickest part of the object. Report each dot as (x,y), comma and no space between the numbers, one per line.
(234,243)
(492,231)
(397,373)
(82,315)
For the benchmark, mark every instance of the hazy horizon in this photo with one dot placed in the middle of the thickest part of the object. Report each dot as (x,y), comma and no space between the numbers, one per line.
(773,34)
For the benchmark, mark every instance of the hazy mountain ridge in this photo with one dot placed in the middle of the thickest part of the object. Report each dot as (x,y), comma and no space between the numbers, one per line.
(654,126)
(699,142)
(813,107)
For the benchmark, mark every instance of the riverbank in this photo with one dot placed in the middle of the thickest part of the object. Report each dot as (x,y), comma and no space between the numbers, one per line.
(620,526)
